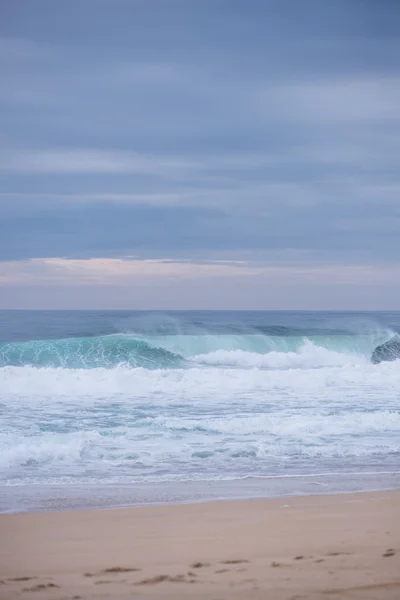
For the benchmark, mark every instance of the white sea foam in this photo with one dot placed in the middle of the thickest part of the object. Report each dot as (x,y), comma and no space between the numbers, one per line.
(308,356)
(303,376)
(18,450)
(231,412)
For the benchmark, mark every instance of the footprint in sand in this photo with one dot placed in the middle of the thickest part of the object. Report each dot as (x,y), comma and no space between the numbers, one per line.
(199,565)
(120,570)
(153,580)
(113,570)
(165,578)
(161,578)
(234,561)
(40,586)
(218,571)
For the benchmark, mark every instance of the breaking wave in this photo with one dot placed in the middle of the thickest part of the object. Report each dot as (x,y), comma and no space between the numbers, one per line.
(174,351)
(189,404)
(105,351)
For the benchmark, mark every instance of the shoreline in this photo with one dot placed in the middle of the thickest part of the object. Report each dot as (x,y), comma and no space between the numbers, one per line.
(37,498)
(330,546)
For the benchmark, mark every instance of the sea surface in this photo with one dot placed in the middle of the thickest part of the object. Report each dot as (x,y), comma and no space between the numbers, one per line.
(113,408)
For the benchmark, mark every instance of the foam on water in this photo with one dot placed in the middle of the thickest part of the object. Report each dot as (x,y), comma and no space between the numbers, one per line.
(199,407)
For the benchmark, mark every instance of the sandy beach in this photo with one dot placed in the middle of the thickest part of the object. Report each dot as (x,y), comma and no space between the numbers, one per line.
(339,546)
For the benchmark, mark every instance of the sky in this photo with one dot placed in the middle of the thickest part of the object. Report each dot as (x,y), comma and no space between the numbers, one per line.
(200,154)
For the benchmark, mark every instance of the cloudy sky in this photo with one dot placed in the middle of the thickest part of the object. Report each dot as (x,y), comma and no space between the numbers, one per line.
(179,154)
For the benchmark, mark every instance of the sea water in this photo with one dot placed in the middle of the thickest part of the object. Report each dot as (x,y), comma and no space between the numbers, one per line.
(116,408)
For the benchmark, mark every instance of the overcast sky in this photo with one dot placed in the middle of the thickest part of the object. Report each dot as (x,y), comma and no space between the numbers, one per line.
(178,154)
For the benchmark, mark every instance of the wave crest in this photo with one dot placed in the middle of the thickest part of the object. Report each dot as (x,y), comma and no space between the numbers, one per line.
(178,351)
(309,355)
(106,351)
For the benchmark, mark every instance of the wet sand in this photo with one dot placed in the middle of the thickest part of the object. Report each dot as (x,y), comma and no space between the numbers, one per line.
(331,547)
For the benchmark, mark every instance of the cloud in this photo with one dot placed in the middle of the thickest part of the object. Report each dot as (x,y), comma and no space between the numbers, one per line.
(200,132)
(107,270)
(339,100)
(335,219)
(19,52)
(133,273)
(61,161)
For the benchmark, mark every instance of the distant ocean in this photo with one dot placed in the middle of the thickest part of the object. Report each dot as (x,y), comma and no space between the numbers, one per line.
(120,408)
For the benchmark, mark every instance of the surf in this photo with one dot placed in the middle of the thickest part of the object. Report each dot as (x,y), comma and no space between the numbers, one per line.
(92,399)
(106,351)
(238,350)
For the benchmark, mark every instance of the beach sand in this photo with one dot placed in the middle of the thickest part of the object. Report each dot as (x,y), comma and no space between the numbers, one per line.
(339,546)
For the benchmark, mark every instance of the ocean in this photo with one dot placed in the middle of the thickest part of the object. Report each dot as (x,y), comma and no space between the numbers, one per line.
(116,408)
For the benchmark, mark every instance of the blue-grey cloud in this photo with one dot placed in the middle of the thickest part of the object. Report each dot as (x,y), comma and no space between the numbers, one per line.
(200,130)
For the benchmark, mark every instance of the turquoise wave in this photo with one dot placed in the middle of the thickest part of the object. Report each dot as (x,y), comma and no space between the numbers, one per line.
(168,351)
(188,345)
(105,351)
